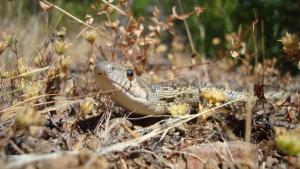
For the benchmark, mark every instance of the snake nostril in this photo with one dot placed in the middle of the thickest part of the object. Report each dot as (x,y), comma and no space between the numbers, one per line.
(130,74)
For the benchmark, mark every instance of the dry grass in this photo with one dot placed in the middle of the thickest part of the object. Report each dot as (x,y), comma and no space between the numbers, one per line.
(51,108)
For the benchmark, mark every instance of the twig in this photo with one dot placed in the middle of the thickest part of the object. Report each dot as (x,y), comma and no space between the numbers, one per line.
(188,30)
(16,147)
(30,72)
(127,129)
(106,126)
(20,160)
(24,101)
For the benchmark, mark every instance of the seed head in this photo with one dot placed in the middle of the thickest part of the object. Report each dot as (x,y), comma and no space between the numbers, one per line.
(290,44)
(87,105)
(61,47)
(90,36)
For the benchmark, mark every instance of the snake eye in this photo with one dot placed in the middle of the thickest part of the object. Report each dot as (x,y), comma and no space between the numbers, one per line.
(130,74)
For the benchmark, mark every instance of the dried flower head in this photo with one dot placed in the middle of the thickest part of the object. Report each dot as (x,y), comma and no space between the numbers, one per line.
(65,62)
(179,109)
(89,19)
(39,60)
(290,44)
(87,105)
(161,48)
(61,47)
(52,73)
(32,90)
(3,46)
(90,36)
(23,68)
(4,73)
(7,38)
(5,41)
(27,117)
(288,141)
(214,95)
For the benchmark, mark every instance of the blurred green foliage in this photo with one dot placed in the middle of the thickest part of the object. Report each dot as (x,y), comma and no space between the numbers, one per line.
(275,17)
(26,7)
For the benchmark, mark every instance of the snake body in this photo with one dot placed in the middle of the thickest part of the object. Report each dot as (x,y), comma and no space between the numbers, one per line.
(138,96)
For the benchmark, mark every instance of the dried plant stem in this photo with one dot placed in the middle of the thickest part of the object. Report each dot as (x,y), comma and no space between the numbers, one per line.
(20,160)
(188,30)
(192,42)
(248,123)
(29,73)
(76,19)
(263,39)
(25,101)
(127,129)
(68,14)
(254,40)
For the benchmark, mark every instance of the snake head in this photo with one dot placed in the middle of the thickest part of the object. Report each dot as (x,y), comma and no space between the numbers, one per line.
(127,89)
(113,73)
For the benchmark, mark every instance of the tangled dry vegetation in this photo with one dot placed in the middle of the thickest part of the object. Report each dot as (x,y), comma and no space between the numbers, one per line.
(54,116)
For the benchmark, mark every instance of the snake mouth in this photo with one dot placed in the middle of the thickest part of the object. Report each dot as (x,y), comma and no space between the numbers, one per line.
(112,76)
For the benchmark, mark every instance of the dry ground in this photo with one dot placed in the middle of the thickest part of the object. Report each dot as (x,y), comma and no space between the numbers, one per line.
(54,116)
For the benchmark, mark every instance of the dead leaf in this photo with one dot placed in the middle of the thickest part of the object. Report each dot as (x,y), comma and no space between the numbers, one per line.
(46,7)
(182,16)
(198,10)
